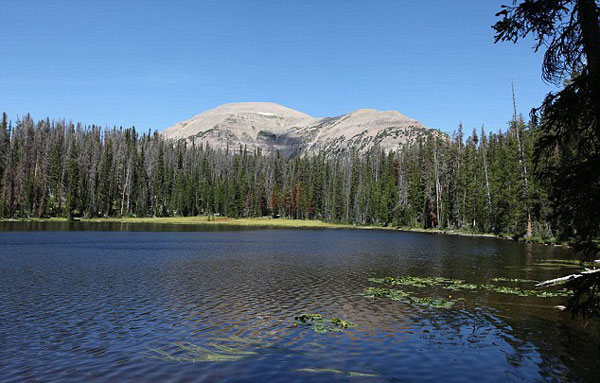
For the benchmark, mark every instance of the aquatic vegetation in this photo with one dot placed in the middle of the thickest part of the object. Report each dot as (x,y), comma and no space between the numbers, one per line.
(517,280)
(526,293)
(244,341)
(334,371)
(189,352)
(341,324)
(399,295)
(449,284)
(564,263)
(432,302)
(322,325)
(384,280)
(415,281)
(382,292)
(446,283)
(460,286)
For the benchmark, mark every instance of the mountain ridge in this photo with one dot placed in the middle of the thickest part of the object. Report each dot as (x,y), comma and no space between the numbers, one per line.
(271,127)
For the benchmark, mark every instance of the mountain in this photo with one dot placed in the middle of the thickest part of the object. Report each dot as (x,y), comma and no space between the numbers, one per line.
(271,127)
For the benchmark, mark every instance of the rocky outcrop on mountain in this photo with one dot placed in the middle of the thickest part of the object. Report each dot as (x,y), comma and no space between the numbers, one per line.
(273,127)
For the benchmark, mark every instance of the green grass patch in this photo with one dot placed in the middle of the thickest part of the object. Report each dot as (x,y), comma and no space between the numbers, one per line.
(214,220)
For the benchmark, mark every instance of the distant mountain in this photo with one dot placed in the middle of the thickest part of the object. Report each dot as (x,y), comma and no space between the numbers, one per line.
(271,127)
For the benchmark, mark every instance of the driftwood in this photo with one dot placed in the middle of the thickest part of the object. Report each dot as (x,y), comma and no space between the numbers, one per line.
(557,281)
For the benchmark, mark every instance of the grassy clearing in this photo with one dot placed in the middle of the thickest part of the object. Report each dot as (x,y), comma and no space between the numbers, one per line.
(212,220)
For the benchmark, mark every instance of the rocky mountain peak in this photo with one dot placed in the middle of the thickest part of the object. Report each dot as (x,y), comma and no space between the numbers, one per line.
(271,126)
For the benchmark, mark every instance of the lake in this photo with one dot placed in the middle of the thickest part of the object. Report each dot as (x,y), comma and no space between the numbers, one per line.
(159,303)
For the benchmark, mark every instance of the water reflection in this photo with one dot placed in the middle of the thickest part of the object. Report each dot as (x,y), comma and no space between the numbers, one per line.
(87,306)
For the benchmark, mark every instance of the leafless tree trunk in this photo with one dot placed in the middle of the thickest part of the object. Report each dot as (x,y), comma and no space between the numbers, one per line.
(487,181)
(522,165)
(438,187)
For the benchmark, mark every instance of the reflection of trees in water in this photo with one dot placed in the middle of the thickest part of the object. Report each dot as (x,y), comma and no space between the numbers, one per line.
(560,347)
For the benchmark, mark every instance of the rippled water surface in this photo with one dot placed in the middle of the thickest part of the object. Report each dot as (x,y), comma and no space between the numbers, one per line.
(94,304)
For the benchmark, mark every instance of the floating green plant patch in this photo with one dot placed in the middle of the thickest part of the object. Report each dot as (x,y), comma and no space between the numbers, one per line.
(333,371)
(189,352)
(432,302)
(322,325)
(385,280)
(382,292)
(304,318)
(526,293)
(516,280)
(341,324)
(420,281)
(460,286)
(399,295)
(446,283)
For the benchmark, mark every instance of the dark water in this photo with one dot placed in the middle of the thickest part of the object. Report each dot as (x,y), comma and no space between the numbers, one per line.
(94,306)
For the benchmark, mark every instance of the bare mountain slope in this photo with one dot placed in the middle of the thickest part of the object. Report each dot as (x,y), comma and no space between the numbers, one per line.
(274,127)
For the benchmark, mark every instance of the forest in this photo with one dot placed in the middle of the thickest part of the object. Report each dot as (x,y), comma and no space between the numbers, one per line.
(482,183)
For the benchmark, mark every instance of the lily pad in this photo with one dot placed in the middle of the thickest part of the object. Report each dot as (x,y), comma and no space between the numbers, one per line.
(323,325)
(382,292)
(454,285)
(432,302)
(399,295)
(526,293)
(446,283)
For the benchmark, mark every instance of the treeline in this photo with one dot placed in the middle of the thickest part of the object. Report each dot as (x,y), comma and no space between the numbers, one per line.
(480,183)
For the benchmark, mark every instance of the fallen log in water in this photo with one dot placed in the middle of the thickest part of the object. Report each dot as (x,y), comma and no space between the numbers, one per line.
(558,281)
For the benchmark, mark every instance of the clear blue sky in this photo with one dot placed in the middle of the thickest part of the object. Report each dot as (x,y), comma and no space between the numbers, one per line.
(154,63)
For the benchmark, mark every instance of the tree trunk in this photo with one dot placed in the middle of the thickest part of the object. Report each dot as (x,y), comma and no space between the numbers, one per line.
(523,166)
(438,188)
(125,190)
(589,14)
(487,182)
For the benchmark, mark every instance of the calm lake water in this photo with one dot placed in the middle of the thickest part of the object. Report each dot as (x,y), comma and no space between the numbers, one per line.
(102,303)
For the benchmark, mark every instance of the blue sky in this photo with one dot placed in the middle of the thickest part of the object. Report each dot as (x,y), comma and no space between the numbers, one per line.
(154,63)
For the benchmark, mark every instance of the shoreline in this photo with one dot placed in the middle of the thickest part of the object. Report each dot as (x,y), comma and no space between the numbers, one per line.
(206,220)
(266,222)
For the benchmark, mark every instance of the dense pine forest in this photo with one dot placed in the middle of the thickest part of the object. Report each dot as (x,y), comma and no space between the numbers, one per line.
(479,183)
